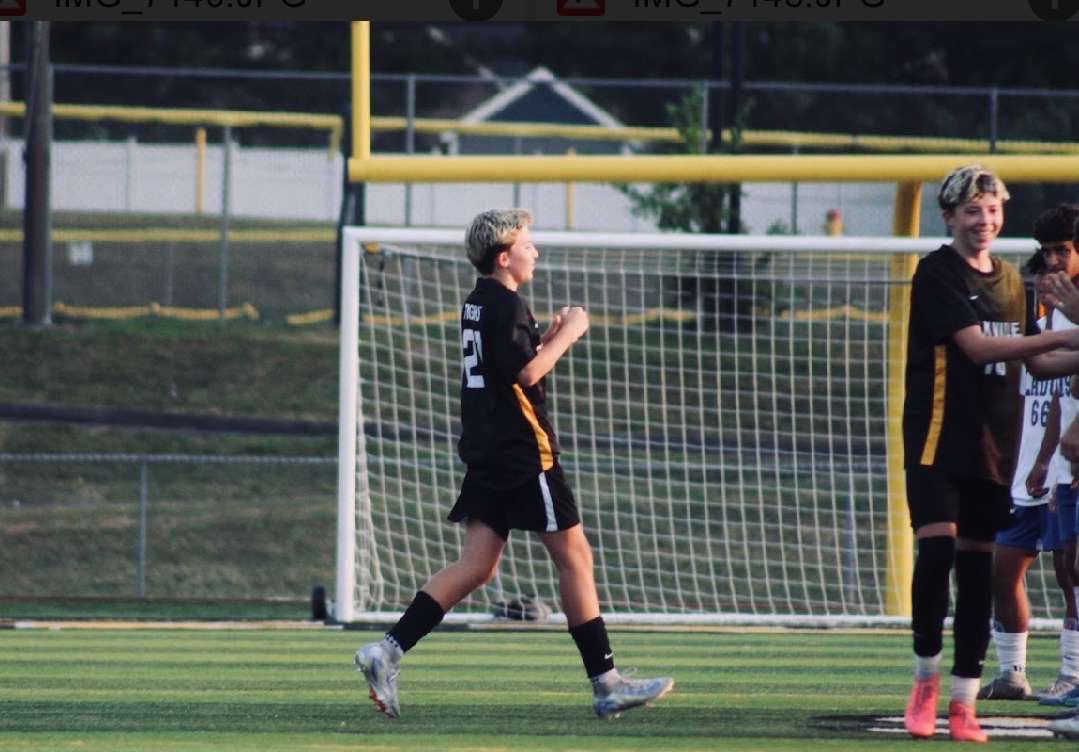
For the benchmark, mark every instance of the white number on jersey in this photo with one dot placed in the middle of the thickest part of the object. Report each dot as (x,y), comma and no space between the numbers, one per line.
(472,345)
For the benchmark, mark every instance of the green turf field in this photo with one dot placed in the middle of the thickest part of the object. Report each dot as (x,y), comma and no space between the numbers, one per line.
(95,690)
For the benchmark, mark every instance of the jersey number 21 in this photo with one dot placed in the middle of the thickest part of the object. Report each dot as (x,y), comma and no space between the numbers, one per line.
(472,346)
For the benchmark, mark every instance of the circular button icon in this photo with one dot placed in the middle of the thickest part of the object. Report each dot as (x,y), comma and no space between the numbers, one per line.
(1054,10)
(481,10)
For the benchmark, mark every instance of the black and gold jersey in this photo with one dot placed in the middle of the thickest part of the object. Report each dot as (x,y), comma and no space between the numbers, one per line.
(958,415)
(505,431)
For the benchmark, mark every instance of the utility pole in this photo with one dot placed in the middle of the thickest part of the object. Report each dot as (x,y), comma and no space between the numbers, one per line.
(715,106)
(728,41)
(5,97)
(37,218)
(715,95)
(737,51)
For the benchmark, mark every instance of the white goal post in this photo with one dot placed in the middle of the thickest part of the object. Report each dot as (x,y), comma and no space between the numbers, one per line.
(723,422)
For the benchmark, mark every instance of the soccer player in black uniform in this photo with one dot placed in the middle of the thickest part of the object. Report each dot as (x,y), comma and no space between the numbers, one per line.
(968,316)
(513,479)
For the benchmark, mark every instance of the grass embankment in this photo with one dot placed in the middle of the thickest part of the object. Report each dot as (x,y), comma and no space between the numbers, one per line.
(212,530)
(234,368)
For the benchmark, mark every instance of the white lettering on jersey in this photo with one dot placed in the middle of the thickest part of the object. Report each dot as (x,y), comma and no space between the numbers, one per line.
(472,312)
(999,329)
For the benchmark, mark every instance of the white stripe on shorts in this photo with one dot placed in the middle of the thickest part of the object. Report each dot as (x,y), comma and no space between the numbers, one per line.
(548,504)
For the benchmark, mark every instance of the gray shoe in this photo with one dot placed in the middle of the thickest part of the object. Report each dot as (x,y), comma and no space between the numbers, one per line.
(1069,698)
(618,693)
(1007,688)
(380,669)
(1067,727)
(1062,686)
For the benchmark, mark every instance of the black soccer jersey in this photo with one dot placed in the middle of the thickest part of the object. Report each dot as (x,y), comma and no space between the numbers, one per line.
(505,432)
(960,416)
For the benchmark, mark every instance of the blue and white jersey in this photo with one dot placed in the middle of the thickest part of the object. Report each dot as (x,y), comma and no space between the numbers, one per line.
(1037,397)
(1060,470)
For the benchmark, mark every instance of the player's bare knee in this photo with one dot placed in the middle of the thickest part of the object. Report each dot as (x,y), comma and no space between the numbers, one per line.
(575,560)
(478,575)
(488,576)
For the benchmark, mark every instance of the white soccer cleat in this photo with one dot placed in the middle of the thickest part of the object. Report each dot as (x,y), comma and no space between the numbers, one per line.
(381,671)
(1066,727)
(618,693)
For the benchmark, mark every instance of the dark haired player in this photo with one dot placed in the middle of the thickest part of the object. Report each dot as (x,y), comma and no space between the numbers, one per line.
(513,479)
(1039,525)
(968,316)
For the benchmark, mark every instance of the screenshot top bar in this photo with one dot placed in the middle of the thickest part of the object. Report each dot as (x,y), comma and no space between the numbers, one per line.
(568,11)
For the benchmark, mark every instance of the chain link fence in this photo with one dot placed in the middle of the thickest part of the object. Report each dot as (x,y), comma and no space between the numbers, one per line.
(186,203)
(166,526)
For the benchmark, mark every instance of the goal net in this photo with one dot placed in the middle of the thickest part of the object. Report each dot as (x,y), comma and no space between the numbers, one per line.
(724,423)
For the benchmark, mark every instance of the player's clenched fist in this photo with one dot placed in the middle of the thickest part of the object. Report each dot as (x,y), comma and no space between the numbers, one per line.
(575,321)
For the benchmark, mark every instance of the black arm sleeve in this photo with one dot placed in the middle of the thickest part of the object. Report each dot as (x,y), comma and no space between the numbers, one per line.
(513,342)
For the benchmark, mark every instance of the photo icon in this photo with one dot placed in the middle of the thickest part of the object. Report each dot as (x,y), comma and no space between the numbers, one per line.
(12,8)
(581,7)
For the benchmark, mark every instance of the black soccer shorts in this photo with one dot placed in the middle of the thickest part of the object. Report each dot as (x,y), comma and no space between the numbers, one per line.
(979,507)
(544,504)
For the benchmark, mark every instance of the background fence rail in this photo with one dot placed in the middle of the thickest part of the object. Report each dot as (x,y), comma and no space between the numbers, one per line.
(193,526)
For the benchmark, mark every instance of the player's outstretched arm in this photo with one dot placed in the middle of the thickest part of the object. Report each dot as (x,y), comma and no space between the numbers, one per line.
(1059,362)
(1034,350)
(573,326)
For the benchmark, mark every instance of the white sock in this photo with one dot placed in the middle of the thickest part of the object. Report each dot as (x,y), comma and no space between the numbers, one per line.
(1011,653)
(964,690)
(1069,652)
(926,666)
(604,677)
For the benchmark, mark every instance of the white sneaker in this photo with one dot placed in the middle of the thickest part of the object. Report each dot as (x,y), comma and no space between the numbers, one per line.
(381,670)
(1067,727)
(1062,686)
(618,693)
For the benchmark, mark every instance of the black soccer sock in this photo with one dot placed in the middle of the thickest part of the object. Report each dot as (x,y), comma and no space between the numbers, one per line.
(929,593)
(595,648)
(973,607)
(421,616)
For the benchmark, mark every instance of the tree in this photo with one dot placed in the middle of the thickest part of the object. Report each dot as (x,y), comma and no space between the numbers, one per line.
(686,207)
(716,283)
